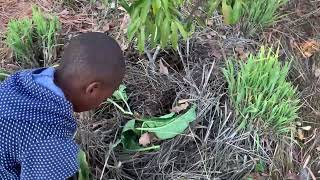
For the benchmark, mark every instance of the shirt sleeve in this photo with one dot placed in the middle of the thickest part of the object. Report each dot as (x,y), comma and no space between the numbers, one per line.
(50,159)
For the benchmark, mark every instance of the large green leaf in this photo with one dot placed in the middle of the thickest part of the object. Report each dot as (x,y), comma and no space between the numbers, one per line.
(84,167)
(130,138)
(169,128)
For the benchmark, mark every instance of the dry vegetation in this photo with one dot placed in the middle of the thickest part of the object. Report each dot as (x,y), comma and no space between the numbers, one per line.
(212,147)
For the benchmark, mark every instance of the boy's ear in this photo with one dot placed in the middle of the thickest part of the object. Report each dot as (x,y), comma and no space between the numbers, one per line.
(93,87)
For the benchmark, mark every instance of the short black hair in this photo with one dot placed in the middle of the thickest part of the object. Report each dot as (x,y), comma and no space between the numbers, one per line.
(96,55)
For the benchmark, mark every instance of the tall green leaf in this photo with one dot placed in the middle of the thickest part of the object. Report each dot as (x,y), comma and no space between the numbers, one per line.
(84,167)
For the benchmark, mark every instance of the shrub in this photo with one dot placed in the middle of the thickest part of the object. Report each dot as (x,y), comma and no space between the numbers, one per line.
(254,13)
(260,93)
(158,22)
(33,41)
(161,22)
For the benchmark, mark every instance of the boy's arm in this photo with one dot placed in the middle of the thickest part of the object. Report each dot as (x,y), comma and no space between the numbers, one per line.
(50,159)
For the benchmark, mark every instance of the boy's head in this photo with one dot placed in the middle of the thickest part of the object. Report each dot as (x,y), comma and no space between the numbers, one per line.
(92,67)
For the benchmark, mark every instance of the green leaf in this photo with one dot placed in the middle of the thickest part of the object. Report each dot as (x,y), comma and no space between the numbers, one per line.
(120,94)
(236,13)
(145,10)
(84,167)
(226,12)
(182,30)
(133,27)
(141,39)
(130,138)
(165,32)
(171,128)
(156,5)
(174,35)
(125,5)
(167,116)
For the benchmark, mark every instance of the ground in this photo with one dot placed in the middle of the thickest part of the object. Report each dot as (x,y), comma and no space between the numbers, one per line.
(210,148)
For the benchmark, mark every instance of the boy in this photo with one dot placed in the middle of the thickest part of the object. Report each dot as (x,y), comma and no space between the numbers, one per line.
(36,108)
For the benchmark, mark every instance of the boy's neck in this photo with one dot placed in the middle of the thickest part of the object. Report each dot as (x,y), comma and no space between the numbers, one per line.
(62,82)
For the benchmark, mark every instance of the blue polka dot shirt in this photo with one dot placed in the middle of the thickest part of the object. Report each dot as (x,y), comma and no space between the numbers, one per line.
(36,129)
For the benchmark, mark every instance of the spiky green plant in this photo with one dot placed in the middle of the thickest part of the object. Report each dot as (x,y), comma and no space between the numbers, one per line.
(19,39)
(261,94)
(261,13)
(46,32)
(33,41)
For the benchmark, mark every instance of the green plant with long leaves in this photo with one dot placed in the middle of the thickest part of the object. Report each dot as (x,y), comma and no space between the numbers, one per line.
(232,11)
(45,31)
(33,41)
(20,39)
(261,94)
(261,13)
(159,22)
(254,13)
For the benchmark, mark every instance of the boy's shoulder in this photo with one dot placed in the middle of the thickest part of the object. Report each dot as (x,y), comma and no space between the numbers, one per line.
(21,93)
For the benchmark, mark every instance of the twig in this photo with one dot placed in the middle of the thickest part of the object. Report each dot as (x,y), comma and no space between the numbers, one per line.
(152,58)
(120,108)
(106,161)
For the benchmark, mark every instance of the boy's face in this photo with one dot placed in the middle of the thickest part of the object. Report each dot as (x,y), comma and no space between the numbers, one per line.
(92,97)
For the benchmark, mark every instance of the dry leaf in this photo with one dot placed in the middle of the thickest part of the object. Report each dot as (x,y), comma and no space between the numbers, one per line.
(300,134)
(163,69)
(306,128)
(182,101)
(180,107)
(318,148)
(214,52)
(241,53)
(106,27)
(146,139)
(210,22)
(310,47)
(292,176)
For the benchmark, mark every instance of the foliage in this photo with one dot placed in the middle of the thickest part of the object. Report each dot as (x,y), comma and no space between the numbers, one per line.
(130,138)
(260,93)
(159,22)
(231,11)
(255,13)
(262,13)
(33,39)
(19,39)
(84,167)
(163,127)
(120,95)
(45,30)
(3,74)
(167,127)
